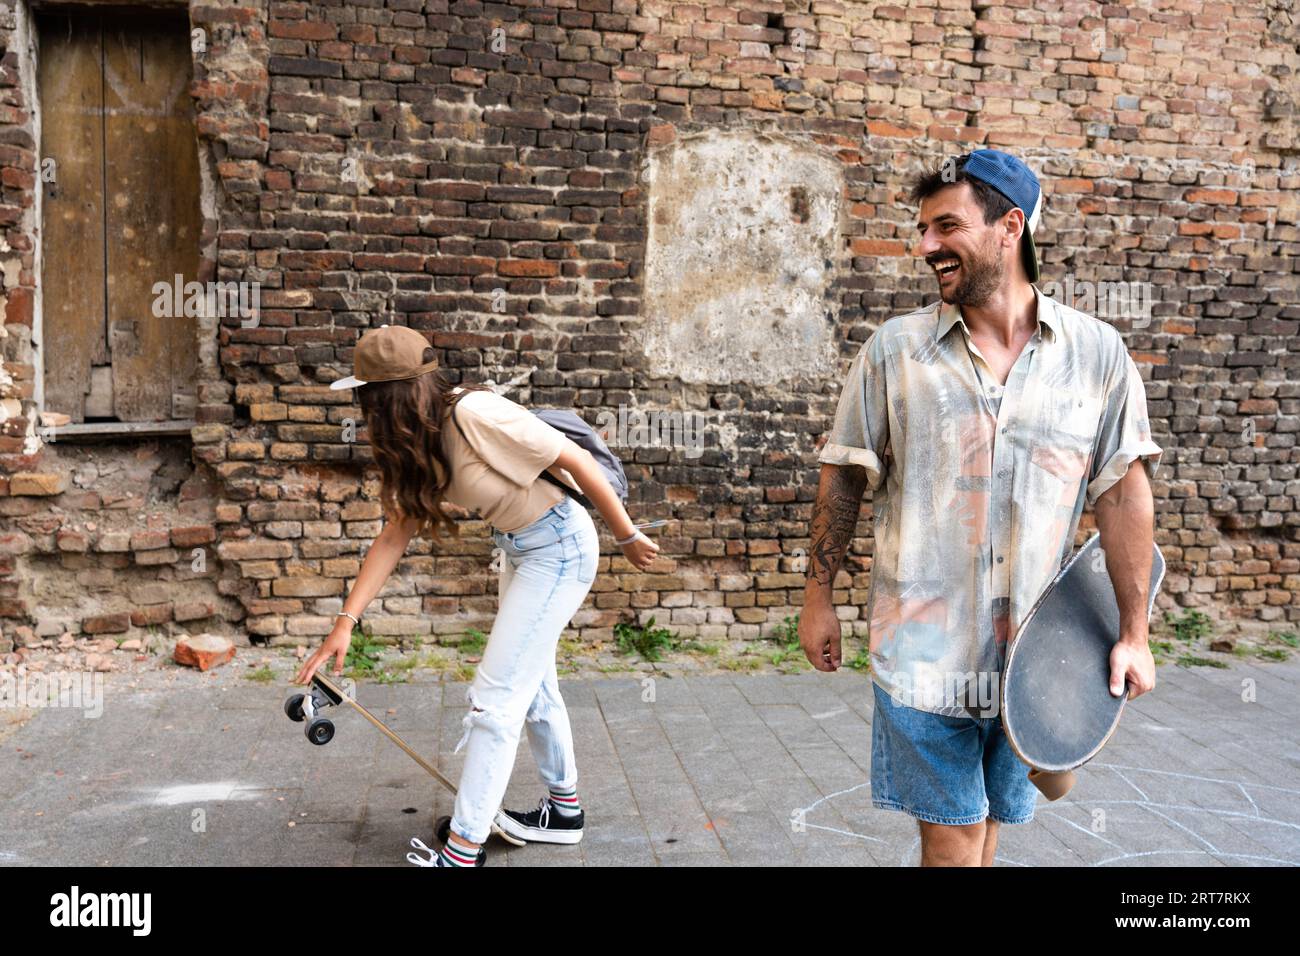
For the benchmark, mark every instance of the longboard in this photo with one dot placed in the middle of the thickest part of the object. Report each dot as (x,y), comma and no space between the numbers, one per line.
(320,731)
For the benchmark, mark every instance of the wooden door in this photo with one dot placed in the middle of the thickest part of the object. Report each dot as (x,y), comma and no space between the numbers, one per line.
(121,215)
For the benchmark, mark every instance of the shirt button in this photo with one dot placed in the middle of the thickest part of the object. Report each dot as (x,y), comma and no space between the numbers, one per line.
(1004,431)
(1002,473)
(999,559)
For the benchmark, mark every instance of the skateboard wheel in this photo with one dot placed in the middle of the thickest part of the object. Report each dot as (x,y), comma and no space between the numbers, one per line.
(1052,785)
(320,731)
(293,708)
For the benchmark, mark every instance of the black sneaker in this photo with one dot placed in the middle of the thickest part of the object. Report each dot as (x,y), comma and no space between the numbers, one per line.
(543,825)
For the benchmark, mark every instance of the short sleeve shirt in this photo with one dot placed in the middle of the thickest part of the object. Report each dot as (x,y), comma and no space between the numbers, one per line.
(495,463)
(978,487)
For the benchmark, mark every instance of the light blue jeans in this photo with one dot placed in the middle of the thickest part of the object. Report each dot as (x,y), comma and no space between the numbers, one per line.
(547,569)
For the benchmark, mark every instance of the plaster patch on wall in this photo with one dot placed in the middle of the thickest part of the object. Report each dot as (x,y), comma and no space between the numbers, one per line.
(742,245)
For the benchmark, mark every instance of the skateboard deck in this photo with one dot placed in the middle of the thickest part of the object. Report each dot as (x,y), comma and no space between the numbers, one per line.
(1057,709)
(320,730)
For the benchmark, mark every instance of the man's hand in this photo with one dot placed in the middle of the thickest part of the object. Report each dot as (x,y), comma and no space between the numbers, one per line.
(1125,517)
(1131,661)
(819,636)
(835,516)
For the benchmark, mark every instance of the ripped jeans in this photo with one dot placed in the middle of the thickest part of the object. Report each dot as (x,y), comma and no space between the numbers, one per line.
(547,569)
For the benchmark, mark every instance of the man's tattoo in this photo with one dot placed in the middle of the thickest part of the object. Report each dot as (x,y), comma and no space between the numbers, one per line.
(835,516)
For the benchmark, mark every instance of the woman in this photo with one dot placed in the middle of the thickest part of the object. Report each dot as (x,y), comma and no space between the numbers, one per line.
(487,460)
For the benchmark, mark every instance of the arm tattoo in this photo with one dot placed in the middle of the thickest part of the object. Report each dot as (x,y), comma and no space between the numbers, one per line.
(835,516)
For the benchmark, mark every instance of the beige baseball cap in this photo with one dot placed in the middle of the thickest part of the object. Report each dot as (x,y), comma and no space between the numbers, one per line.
(387,354)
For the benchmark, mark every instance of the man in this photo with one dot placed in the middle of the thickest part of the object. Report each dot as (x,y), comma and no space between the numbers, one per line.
(981,423)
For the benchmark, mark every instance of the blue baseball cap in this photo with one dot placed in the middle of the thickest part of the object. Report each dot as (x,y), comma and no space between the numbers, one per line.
(1017,182)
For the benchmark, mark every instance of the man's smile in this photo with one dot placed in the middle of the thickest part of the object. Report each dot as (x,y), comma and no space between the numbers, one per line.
(945,268)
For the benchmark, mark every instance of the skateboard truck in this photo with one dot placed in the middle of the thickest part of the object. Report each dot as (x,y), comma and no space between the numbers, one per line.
(306,708)
(323,693)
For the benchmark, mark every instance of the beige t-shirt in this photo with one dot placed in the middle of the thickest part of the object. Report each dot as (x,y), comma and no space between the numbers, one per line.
(495,472)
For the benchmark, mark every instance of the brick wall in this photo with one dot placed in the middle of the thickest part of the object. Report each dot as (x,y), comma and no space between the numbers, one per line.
(475,170)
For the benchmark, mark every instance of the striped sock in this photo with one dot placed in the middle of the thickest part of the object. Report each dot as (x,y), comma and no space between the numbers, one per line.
(565,799)
(453,854)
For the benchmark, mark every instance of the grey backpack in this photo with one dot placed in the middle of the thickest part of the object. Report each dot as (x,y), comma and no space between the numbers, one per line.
(572,426)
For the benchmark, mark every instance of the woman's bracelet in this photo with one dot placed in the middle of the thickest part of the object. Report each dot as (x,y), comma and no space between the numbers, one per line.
(355,620)
(635,533)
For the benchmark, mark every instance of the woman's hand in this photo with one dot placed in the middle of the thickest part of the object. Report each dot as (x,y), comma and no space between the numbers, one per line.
(578,462)
(640,551)
(336,646)
(375,569)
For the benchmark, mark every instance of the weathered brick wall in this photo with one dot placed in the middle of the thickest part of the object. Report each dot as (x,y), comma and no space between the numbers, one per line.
(476,171)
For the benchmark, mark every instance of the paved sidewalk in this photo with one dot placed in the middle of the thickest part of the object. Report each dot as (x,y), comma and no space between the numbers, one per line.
(194,770)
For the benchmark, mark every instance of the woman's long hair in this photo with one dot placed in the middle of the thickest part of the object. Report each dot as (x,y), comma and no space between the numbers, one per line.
(404,419)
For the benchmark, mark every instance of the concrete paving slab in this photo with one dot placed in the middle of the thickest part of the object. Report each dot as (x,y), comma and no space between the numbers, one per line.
(746,770)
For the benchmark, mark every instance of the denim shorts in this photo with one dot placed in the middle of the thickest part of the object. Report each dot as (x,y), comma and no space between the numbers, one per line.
(949,770)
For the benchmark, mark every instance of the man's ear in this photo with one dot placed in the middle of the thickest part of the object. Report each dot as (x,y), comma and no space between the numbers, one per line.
(1015,225)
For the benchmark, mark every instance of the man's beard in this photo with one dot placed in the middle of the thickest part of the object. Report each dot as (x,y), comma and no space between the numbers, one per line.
(981,275)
